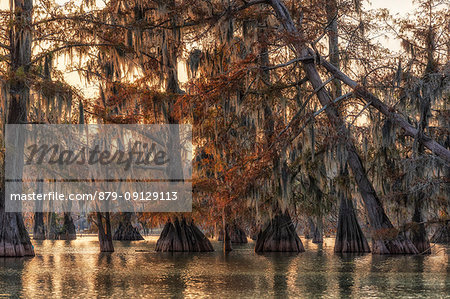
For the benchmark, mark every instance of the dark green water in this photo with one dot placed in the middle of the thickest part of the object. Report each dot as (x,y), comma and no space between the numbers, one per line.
(75,269)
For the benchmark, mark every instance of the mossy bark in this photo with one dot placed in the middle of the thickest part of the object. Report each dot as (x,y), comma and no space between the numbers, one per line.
(442,235)
(349,236)
(14,238)
(237,234)
(68,231)
(104,232)
(417,232)
(39,226)
(316,229)
(181,236)
(126,231)
(279,235)
(385,238)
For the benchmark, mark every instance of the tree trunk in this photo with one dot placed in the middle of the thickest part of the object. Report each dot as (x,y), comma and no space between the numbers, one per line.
(442,235)
(39,226)
(331,8)
(52,226)
(279,236)
(418,233)
(237,234)
(14,238)
(385,238)
(182,237)
(68,231)
(317,231)
(349,236)
(226,240)
(126,231)
(104,232)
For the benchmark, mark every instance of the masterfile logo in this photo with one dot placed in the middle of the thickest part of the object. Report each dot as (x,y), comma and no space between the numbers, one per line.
(129,161)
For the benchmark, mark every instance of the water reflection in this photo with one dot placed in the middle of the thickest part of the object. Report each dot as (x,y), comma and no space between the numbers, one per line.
(346,274)
(77,269)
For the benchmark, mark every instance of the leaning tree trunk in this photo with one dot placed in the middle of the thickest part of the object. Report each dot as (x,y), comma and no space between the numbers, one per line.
(349,236)
(279,236)
(442,235)
(14,238)
(126,231)
(375,102)
(182,237)
(104,232)
(68,231)
(385,238)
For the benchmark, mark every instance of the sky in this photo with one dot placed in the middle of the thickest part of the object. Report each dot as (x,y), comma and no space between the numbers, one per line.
(401,7)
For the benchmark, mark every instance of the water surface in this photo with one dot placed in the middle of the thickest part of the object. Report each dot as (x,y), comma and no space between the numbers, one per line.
(76,269)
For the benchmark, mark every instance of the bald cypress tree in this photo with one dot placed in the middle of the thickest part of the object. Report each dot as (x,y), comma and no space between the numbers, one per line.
(14,239)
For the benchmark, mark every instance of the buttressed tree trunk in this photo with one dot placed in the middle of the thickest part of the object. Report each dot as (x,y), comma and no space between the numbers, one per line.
(14,239)
(279,236)
(126,231)
(237,234)
(385,238)
(182,237)
(349,236)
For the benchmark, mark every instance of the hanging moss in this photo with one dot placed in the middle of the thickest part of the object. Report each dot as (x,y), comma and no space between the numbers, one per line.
(442,234)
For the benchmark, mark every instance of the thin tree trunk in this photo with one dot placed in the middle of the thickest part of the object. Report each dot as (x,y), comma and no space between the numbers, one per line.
(418,232)
(39,226)
(333,42)
(317,233)
(14,238)
(385,238)
(226,239)
(104,232)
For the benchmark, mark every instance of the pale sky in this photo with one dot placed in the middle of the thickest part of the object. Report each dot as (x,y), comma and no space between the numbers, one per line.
(401,7)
